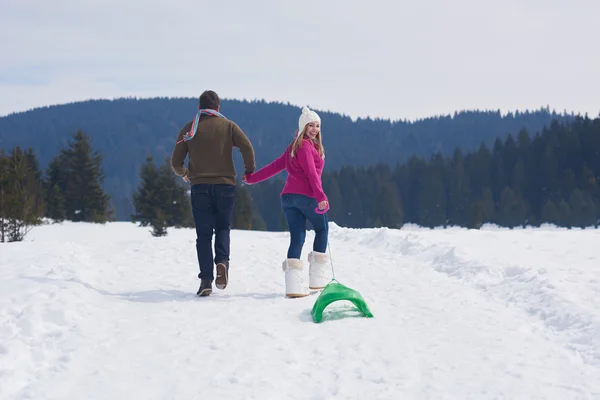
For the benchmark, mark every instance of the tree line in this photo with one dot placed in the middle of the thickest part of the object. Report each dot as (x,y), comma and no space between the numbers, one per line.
(523,181)
(551,177)
(70,189)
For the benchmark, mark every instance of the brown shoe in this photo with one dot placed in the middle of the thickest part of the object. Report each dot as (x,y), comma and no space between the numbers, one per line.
(205,288)
(222,275)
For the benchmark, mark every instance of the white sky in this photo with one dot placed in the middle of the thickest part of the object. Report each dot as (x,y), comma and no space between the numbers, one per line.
(392,59)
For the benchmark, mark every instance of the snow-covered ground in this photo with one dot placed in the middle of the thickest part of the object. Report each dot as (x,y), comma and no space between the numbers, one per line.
(109,312)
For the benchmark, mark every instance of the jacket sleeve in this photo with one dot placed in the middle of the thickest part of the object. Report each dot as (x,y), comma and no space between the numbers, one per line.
(241,141)
(307,162)
(180,152)
(266,172)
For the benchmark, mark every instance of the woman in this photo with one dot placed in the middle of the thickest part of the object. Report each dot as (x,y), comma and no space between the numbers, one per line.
(301,196)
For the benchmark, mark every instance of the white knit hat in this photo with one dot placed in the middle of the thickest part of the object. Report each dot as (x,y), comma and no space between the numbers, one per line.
(307,117)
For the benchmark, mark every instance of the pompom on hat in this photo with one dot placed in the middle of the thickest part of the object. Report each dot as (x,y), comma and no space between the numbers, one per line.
(307,117)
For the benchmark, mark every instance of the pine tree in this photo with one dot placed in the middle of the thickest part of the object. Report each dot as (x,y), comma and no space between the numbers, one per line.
(145,198)
(482,210)
(4,194)
(37,183)
(518,178)
(526,156)
(174,197)
(432,198)
(336,200)
(588,182)
(498,174)
(159,224)
(161,200)
(354,199)
(548,175)
(457,191)
(410,189)
(583,210)
(243,213)
(512,209)
(476,215)
(19,196)
(550,213)
(564,213)
(489,208)
(34,166)
(568,183)
(84,198)
(478,169)
(258,224)
(54,186)
(510,156)
(388,209)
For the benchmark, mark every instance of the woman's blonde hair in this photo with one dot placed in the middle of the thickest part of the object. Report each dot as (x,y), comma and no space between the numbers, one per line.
(298,142)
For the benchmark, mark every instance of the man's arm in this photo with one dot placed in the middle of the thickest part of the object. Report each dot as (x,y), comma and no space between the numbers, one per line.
(241,141)
(180,152)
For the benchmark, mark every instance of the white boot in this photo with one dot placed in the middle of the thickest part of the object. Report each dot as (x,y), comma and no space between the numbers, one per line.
(318,264)
(294,284)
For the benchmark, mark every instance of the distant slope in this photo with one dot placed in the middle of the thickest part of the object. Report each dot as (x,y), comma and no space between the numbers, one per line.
(125,131)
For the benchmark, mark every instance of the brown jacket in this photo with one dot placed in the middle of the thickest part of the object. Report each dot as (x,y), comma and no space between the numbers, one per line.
(211,151)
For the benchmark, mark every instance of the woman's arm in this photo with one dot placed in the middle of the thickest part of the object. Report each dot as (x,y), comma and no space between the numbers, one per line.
(266,172)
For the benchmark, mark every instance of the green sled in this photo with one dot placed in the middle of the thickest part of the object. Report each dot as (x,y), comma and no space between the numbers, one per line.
(335,291)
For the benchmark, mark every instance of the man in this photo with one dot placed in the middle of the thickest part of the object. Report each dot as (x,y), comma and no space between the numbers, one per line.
(209,140)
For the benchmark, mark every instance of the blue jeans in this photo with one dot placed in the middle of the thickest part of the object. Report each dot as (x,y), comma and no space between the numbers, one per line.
(298,209)
(212,207)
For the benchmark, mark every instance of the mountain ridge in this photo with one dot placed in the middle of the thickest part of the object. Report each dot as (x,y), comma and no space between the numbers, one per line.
(127,130)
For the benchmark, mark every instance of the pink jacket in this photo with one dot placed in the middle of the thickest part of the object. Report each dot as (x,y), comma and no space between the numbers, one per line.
(304,171)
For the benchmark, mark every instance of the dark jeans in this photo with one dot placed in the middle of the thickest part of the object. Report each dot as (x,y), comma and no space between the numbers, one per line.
(212,207)
(298,209)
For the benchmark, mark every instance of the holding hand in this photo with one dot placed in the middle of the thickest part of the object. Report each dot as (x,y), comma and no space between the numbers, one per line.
(323,204)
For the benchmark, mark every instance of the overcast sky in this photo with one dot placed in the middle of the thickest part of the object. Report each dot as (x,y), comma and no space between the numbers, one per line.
(392,59)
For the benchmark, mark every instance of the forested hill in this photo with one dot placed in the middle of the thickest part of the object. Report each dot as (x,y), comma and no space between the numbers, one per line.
(125,131)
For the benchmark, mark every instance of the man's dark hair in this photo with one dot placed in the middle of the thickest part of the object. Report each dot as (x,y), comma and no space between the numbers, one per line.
(209,99)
